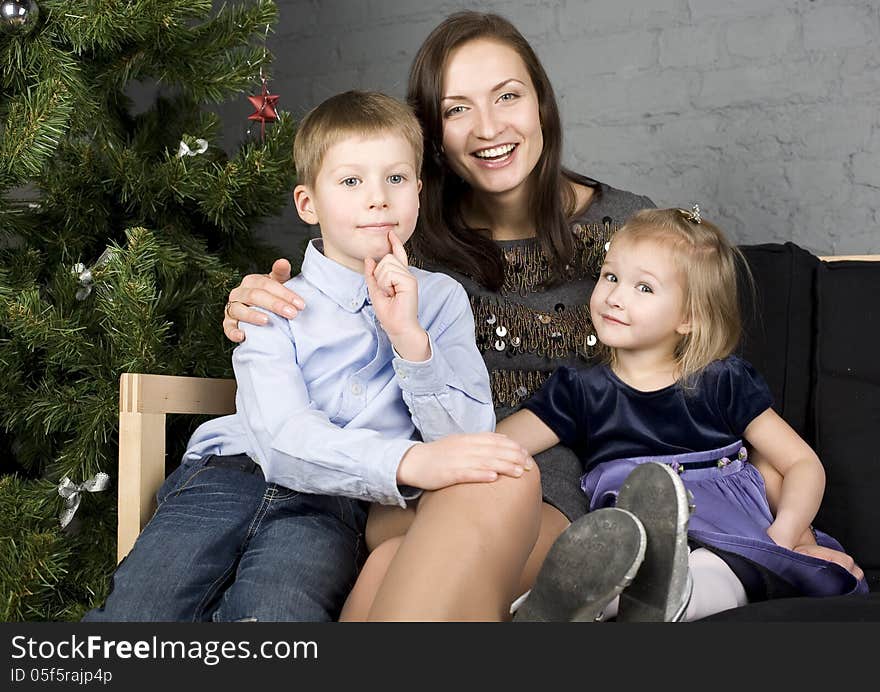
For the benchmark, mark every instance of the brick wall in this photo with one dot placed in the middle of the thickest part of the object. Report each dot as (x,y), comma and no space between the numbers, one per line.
(766,112)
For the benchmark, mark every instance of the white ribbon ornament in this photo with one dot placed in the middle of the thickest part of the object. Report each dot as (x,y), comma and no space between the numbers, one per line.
(72,494)
(184,150)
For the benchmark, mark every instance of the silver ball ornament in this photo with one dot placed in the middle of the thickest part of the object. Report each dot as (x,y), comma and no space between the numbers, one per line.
(18,16)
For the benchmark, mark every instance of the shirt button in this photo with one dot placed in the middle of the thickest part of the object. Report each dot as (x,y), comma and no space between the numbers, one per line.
(401,373)
(356,389)
(354,303)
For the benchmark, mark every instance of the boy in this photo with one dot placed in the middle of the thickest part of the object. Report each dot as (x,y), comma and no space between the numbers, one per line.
(264,518)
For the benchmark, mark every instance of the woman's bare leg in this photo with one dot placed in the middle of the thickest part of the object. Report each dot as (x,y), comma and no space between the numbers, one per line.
(463,556)
(553,523)
(386,522)
(360,600)
(357,607)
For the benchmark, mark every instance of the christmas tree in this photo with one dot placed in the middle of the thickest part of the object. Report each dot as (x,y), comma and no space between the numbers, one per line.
(121,234)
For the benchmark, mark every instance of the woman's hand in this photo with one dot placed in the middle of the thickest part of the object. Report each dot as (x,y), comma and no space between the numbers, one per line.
(260,290)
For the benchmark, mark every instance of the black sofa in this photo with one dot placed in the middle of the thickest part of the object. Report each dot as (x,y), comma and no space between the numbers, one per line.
(814,333)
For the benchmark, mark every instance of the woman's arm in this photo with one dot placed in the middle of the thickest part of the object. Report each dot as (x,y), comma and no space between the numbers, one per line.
(796,499)
(260,290)
(528,430)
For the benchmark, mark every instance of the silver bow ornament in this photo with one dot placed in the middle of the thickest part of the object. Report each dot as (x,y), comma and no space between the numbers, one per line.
(84,274)
(184,150)
(72,494)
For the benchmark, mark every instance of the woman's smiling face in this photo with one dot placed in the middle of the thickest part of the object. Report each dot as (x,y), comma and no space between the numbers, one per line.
(491,124)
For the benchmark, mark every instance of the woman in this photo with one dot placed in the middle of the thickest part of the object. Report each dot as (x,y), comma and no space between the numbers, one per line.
(525,237)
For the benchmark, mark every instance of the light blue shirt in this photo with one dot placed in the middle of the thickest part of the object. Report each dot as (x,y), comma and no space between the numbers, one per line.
(326,406)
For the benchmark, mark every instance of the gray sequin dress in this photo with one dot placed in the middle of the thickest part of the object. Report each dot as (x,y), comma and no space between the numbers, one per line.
(526,331)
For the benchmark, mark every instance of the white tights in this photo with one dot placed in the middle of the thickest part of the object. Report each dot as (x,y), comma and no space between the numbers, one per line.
(716,587)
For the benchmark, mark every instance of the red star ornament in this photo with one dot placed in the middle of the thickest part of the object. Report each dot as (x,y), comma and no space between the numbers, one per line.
(265,105)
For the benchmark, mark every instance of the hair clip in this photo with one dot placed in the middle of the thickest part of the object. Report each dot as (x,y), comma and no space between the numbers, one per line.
(693,214)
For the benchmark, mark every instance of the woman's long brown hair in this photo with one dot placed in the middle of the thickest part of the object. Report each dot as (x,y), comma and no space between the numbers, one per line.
(442,235)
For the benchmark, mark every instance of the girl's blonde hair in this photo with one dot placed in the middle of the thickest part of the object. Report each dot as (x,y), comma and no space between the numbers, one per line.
(707,263)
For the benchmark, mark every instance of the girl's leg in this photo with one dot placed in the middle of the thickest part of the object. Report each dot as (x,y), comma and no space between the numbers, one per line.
(464,554)
(716,587)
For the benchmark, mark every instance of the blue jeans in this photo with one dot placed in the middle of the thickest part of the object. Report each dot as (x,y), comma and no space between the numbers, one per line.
(224,545)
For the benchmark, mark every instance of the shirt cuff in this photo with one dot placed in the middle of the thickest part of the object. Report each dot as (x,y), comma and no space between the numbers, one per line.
(430,376)
(384,474)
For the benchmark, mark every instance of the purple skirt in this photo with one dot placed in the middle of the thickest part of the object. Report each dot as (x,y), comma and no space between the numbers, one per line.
(732,515)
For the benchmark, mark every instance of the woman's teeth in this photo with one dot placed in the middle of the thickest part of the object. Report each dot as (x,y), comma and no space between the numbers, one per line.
(495,152)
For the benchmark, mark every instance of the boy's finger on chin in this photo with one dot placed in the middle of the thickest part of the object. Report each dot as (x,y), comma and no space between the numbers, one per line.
(397,248)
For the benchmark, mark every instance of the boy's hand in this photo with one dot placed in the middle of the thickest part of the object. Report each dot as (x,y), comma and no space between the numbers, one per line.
(394,293)
(467,458)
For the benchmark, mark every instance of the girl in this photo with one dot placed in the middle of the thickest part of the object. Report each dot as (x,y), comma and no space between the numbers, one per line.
(669,391)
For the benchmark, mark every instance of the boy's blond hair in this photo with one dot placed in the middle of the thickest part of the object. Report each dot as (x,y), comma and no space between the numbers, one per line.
(707,263)
(351,114)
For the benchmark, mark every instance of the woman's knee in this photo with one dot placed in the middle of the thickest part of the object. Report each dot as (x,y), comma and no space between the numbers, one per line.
(497,506)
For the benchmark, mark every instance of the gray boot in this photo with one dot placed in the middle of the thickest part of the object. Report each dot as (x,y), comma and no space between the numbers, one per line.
(590,563)
(661,590)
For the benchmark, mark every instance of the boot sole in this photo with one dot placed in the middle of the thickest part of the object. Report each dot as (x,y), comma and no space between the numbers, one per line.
(590,564)
(661,590)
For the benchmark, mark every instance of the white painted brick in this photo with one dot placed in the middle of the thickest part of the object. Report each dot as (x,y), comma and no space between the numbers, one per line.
(712,9)
(866,169)
(697,135)
(537,21)
(390,77)
(384,11)
(761,37)
(834,131)
(322,87)
(378,44)
(610,143)
(860,74)
(769,132)
(690,46)
(345,13)
(829,27)
(606,16)
(295,20)
(608,99)
(308,55)
(597,96)
(748,184)
(618,54)
(763,84)
(819,182)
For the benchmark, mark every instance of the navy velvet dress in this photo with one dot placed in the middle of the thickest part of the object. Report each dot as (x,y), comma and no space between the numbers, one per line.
(698,431)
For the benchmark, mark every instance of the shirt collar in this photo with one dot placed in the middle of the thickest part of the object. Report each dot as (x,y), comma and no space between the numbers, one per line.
(342,285)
